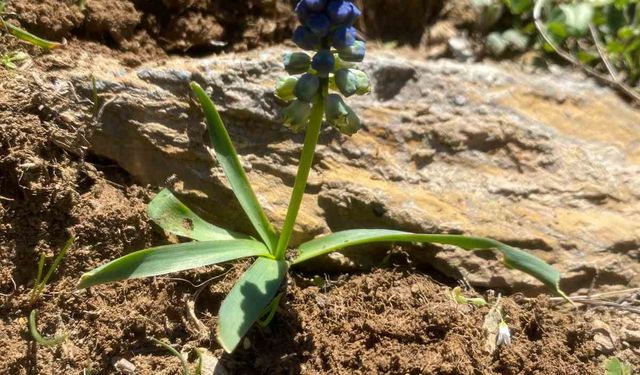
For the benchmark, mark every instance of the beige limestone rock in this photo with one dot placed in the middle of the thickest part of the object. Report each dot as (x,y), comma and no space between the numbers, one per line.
(549,162)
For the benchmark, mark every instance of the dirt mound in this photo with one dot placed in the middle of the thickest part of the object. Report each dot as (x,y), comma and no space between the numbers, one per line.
(150,28)
(394,321)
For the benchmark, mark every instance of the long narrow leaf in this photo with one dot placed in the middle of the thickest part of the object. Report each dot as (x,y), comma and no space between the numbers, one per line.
(174,217)
(513,257)
(28,37)
(33,329)
(228,159)
(175,353)
(56,263)
(248,299)
(171,258)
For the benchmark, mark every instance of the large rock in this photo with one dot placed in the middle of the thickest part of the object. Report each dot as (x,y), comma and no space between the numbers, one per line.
(549,162)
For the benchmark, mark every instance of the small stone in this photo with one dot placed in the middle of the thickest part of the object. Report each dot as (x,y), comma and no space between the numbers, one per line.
(631,336)
(246,343)
(460,48)
(124,367)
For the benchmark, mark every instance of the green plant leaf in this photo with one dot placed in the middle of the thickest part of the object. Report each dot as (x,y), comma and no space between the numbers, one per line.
(513,258)
(228,159)
(33,329)
(40,284)
(577,17)
(28,37)
(248,299)
(587,57)
(175,353)
(496,44)
(174,217)
(172,258)
(613,366)
(519,6)
(517,40)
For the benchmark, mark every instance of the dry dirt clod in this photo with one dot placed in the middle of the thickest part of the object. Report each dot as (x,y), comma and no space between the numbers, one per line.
(124,367)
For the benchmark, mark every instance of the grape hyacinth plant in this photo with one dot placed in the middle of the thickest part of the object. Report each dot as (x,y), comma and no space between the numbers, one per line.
(316,89)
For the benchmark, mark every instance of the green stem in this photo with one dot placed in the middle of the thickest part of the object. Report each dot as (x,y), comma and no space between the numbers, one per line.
(306,160)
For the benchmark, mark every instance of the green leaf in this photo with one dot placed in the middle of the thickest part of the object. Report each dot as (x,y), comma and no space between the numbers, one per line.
(171,258)
(496,44)
(33,329)
(248,299)
(28,37)
(615,47)
(519,6)
(587,57)
(39,285)
(513,258)
(558,29)
(517,40)
(613,366)
(627,32)
(577,17)
(175,353)
(228,159)
(174,217)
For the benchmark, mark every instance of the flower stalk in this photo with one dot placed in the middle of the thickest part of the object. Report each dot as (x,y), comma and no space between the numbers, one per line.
(306,161)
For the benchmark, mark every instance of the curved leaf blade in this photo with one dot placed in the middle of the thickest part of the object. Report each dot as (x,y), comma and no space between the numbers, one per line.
(33,329)
(228,159)
(28,37)
(514,258)
(247,300)
(171,258)
(175,217)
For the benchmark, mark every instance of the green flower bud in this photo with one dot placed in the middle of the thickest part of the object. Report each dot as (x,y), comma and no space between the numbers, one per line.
(297,62)
(341,64)
(285,88)
(296,115)
(341,116)
(352,81)
(307,87)
(353,53)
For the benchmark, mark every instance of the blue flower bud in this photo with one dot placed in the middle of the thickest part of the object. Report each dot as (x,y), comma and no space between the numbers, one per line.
(323,62)
(296,115)
(343,12)
(285,88)
(343,37)
(352,81)
(319,24)
(302,11)
(304,38)
(355,53)
(307,87)
(315,5)
(297,62)
(340,115)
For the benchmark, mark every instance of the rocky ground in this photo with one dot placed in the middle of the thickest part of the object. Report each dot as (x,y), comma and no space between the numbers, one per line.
(544,160)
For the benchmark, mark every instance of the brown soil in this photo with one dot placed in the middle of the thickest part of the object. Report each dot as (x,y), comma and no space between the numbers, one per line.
(394,320)
(146,29)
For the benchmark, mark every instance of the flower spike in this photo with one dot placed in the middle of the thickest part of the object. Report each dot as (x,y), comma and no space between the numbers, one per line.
(327,29)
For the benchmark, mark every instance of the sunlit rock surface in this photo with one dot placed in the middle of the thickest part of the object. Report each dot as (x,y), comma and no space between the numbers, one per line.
(549,162)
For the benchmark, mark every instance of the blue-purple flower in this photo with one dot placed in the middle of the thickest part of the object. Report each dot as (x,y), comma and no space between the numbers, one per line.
(323,62)
(327,27)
